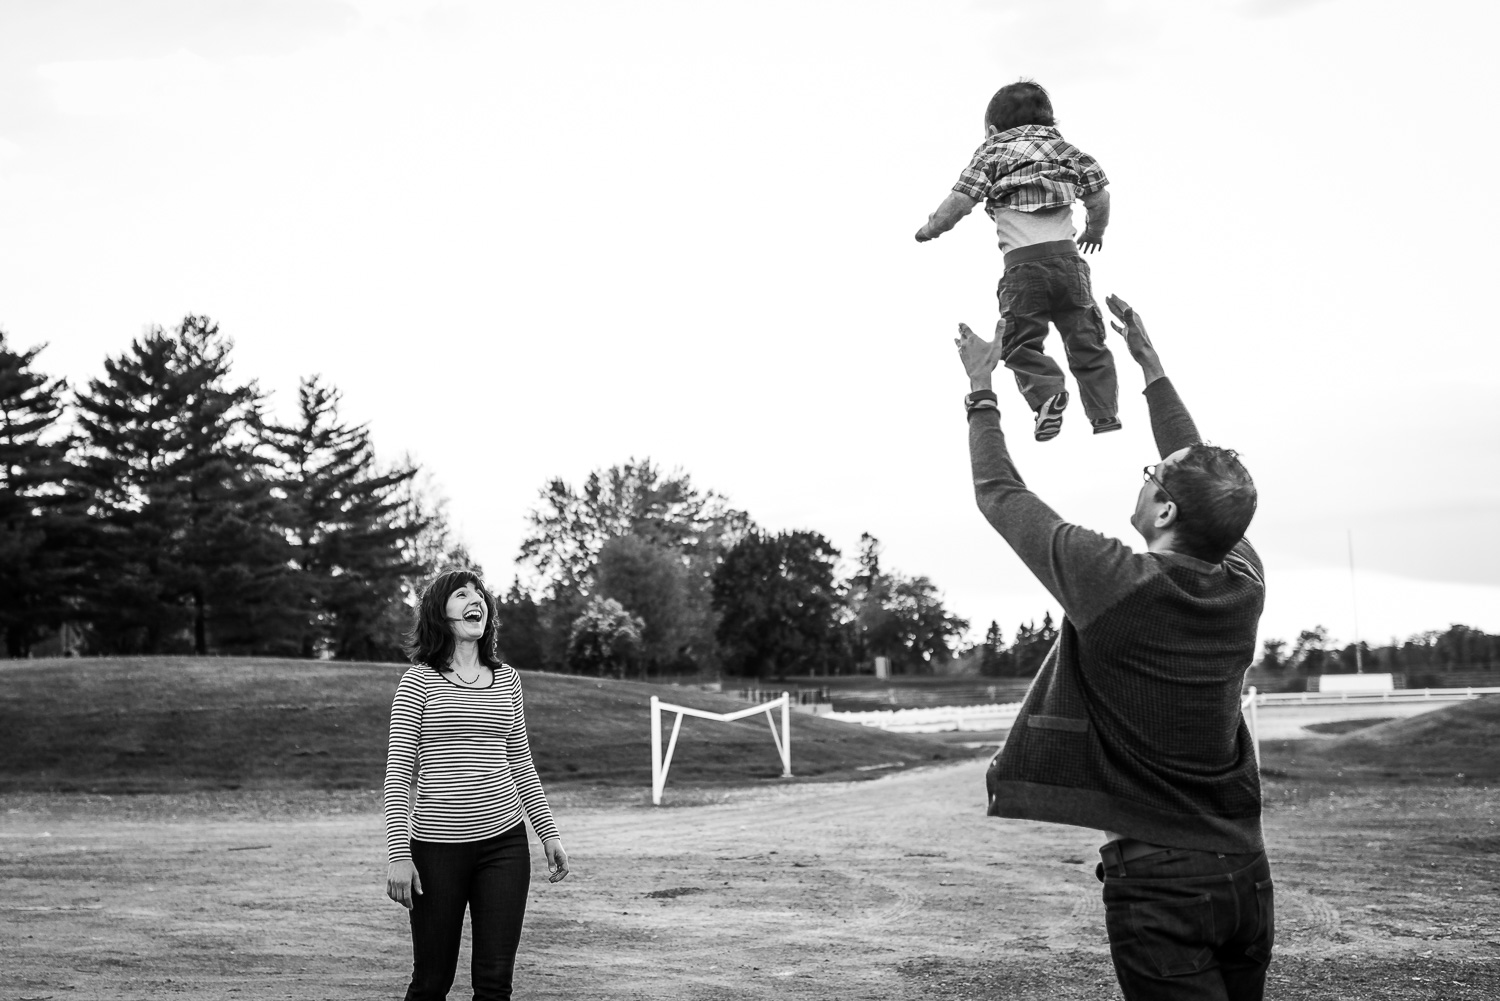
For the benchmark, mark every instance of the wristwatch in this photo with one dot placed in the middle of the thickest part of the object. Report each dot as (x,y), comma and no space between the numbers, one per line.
(981,399)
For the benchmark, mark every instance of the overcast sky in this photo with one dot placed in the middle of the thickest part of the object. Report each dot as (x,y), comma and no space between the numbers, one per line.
(531,240)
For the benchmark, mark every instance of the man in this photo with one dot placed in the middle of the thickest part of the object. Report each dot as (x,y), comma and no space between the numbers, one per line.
(1133,723)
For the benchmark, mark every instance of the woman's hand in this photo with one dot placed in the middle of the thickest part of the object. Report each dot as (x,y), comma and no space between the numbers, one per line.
(557,860)
(402,883)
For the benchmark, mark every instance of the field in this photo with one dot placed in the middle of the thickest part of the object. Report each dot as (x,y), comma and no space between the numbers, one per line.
(1383,842)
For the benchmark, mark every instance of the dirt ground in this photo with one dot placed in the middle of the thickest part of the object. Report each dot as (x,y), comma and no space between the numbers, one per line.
(895,889)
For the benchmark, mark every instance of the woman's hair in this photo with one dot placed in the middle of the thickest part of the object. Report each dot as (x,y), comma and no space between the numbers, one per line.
(1024,102)
(430,641)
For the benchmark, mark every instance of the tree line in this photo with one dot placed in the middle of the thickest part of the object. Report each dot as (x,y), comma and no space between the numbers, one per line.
(162,509)
(1425,655)
(637,572)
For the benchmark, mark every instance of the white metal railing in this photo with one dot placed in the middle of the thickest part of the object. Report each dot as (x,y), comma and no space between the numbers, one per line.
(935,719)
(1398,695)
(1000,716)
(660,763)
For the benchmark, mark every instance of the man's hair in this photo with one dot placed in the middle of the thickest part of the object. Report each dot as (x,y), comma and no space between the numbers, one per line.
(1215,500)
(1024,102)
(430,641)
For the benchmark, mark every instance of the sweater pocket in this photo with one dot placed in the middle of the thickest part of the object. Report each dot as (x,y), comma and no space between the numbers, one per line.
(1071,724)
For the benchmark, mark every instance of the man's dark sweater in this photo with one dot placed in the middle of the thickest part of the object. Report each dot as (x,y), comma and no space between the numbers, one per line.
(1133,723)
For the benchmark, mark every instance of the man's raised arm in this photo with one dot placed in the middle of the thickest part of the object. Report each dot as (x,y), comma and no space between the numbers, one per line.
(1073,563)
(1171,424)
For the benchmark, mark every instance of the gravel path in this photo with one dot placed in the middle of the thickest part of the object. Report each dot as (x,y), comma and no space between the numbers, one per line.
(896,888)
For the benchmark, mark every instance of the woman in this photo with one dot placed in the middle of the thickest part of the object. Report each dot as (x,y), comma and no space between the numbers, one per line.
(459,720)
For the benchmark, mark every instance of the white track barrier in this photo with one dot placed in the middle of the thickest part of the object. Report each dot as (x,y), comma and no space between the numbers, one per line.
(944,719)
(935,719)
(660,763)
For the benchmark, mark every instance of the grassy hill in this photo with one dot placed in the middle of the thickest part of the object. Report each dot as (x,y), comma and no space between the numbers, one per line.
(173,724)
(1459,741)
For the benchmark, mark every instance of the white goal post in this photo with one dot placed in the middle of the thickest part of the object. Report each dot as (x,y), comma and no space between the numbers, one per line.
(660,763)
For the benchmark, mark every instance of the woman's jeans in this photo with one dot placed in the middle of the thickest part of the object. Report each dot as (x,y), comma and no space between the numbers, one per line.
(490,878)
(1187,925)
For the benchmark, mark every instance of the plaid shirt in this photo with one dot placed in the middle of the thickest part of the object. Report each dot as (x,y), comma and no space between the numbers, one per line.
(1029,168)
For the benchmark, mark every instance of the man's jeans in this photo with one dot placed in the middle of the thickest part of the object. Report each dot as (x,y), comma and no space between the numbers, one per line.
(1188,925)
(1050,282)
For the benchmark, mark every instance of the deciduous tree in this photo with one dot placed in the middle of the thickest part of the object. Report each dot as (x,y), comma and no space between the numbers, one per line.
(779,605)
(605,639)
(900,617)
(651,583)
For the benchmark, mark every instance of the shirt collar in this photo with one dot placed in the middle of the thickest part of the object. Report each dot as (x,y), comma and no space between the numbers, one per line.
(1026,132)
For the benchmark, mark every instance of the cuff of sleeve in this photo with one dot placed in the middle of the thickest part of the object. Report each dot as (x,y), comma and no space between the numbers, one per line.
(1157,386)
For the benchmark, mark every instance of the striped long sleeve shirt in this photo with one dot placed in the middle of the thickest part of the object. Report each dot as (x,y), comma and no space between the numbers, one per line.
(473,762)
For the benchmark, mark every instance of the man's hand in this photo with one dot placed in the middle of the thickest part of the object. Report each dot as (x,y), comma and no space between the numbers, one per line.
(978,355)
(557,860)
(402,883)
(1090,241)
(1136,338)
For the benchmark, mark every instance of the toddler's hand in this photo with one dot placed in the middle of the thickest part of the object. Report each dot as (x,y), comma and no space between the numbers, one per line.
(923,236)
(1090,241)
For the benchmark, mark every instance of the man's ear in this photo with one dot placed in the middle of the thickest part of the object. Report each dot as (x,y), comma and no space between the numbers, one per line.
(1166,517)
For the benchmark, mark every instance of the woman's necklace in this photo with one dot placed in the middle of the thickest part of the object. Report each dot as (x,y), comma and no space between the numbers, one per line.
(468,682)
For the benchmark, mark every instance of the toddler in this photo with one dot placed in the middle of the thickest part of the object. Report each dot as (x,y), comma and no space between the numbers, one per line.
(1028,177)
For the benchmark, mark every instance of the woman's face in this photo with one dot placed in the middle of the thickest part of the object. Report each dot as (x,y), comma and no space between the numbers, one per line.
(466,612)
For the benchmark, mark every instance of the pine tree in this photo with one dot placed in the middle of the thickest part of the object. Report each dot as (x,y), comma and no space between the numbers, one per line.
(34,502)
(188,554)
(352,529)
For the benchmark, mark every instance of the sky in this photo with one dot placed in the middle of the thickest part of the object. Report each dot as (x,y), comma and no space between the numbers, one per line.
(531,240)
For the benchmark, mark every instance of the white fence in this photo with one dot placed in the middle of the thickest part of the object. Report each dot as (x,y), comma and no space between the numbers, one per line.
(937,719)
(1400,695)
(1000,716)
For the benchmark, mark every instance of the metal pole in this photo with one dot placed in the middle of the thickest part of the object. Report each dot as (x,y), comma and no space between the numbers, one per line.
(656,782)
(1255,726)
(1359,660)
(786,736)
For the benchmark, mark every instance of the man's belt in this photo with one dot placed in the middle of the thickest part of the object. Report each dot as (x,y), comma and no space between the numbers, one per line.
(1117,853)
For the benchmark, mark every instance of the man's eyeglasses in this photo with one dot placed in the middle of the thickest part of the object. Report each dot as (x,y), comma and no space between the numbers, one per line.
(1148,473)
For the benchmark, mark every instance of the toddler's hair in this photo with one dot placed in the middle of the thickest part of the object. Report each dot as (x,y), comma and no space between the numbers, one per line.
(1024,102)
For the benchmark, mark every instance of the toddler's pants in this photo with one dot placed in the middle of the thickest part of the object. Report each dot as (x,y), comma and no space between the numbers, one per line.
(1050,282)
(490,878)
